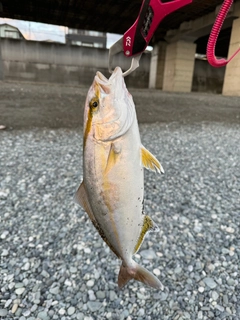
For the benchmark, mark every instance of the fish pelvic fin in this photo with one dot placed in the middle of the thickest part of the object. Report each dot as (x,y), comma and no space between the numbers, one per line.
(148,225)
(150,162)
(136,272)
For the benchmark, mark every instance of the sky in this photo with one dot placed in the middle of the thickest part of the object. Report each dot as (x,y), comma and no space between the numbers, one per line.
(42,31)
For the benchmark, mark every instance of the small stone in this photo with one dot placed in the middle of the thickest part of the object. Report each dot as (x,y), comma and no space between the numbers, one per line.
(5,253)
(190,268)
(156,272)
(92,296)
(140,296)
(15,307)
(141,312)
(68,283)
(90,283)
(215,295)
(8,302)
(124,314)
(230,282)
(198,265)
(26,313)
(164,296)
(5,233)
(26,266)
(100,294)
(148,254)
(201,289)
(230,230)
(228,310)
(3,312)
(45,274)
(34,308)
(225,299)
(71,311)
(73,269)
(61,311)
(11,285)
(43,315)
(220,308)
(19,291)
(54,290)
(178,270)
(112,295)
(79,316)
(210,282)
(94,305)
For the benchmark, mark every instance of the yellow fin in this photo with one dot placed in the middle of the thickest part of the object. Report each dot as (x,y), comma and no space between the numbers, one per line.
(112,157)
(81,198)
(148,225)
(150,162)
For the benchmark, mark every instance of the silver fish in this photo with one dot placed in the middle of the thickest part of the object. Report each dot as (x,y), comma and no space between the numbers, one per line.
(113,183)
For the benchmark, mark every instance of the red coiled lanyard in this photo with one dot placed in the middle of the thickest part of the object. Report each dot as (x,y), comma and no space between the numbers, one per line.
(214,36)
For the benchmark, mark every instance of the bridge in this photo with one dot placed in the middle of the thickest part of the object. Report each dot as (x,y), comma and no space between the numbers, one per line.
(179,36)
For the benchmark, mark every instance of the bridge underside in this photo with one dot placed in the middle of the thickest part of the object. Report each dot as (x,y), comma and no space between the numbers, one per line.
(114,16)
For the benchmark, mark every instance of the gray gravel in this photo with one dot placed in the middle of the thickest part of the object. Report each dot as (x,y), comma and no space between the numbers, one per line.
(55,266)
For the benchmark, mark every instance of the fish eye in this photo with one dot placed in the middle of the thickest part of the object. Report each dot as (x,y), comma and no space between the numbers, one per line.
(93,104)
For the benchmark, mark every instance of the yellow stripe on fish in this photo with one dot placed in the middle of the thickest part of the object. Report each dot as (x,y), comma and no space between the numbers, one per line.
(93,107)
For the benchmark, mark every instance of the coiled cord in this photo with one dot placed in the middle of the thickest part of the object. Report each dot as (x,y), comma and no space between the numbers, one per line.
(214,36)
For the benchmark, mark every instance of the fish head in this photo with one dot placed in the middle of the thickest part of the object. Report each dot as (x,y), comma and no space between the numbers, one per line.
(109,107)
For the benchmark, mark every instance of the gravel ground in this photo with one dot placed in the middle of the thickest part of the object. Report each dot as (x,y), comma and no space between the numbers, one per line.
(55,266)
(29,105)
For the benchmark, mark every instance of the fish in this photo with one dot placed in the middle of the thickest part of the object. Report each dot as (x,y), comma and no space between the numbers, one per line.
(114,159)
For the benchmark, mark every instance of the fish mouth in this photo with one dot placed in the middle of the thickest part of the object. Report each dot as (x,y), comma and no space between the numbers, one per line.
(101,79)
(104,84)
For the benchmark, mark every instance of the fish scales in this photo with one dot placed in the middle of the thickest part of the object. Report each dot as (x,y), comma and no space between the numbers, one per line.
(113,180)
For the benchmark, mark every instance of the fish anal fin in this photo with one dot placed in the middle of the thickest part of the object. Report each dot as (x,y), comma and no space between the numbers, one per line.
(150,162)
(148,225)
(135,271)
(81,198)
(113,157)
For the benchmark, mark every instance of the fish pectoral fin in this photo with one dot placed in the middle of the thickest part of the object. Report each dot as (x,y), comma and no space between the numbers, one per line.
(113,156)
(149,161)
(135,271)
(148,225)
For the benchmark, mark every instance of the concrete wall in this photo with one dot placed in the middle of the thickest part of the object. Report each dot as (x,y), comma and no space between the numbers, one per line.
(207,78)
(1,62)
(53,62)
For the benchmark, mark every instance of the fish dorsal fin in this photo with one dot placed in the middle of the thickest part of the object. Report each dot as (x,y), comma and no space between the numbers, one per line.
(113,156)
(81,198)
(148,225)
(150,162)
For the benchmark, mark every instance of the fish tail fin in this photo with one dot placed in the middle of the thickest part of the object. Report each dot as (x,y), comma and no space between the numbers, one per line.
(135,271)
